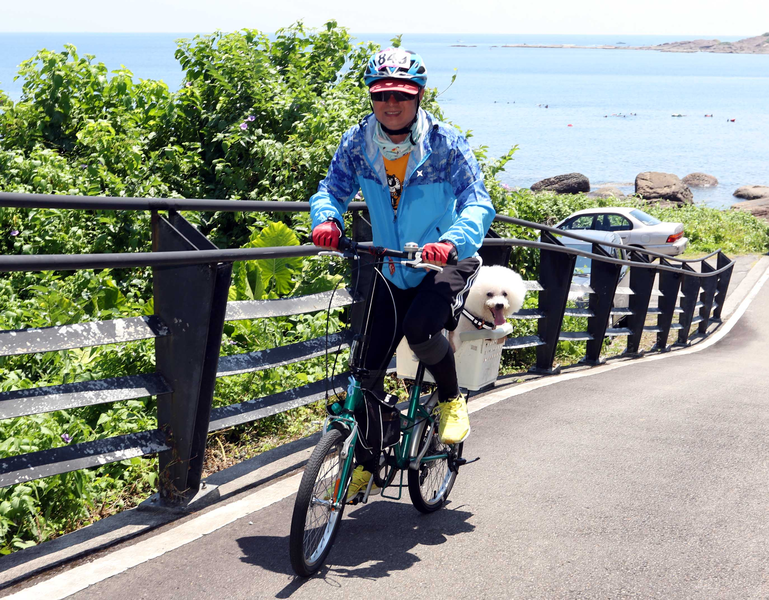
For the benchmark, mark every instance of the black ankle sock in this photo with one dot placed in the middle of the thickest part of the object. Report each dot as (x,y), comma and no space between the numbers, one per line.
(445,374)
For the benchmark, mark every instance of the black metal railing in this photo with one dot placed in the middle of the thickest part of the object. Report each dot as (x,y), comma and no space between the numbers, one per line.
(677,280)
(191,278)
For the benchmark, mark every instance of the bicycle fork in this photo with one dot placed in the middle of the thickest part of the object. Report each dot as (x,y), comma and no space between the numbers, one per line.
(342,481)
(344,477)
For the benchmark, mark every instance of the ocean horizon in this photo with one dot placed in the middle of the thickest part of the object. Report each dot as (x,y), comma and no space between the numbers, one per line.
(605,113)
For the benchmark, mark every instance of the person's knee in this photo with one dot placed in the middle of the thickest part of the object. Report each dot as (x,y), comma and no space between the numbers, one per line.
(432,350)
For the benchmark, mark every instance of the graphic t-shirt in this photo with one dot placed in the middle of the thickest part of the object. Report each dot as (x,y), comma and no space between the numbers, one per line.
(396,171)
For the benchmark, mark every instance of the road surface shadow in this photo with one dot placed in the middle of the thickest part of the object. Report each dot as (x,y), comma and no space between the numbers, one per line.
(373,541)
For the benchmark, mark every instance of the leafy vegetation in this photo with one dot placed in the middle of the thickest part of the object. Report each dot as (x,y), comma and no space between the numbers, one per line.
(256,117)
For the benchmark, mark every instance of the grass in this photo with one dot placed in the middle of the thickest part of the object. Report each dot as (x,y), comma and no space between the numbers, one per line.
(234,445)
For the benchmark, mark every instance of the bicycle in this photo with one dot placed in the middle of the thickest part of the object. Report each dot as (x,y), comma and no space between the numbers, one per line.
(431,466)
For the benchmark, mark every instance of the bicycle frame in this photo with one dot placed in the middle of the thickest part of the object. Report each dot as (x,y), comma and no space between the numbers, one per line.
(404,453)
(413,422)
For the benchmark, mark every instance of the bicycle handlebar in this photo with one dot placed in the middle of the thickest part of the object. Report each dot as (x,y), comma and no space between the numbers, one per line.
(412,253)
(356,248)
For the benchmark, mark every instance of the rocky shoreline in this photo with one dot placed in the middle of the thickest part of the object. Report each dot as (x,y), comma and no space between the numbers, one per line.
(753,45)
(664,189)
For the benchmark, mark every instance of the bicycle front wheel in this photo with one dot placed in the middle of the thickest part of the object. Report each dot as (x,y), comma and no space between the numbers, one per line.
(316,521)
(430,485)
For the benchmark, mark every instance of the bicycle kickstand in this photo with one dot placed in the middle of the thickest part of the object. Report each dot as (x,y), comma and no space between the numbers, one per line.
(461,462)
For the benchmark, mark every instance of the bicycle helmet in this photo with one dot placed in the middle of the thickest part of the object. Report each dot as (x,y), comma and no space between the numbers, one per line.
(396,63)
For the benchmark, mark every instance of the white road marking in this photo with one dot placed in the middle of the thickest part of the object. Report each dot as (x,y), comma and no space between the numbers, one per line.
(81,577)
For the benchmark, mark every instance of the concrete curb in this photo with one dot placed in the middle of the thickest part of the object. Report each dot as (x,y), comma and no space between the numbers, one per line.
(745,282)
(238,479)
(225,486)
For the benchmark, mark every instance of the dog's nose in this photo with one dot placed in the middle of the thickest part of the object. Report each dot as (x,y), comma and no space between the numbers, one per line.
(499,306)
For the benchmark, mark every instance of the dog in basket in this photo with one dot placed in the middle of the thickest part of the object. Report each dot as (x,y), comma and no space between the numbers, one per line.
(496,293)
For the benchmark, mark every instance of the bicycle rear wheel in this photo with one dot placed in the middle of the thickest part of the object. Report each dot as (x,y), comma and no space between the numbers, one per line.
(316,521)
(430,485)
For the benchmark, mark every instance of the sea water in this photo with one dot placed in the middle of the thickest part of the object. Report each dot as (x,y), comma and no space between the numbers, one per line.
(605,113)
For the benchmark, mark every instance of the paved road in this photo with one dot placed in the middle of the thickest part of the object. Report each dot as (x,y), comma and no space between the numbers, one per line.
(646,481)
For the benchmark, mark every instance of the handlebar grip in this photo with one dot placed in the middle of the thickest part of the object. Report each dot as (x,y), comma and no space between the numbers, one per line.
(345,243)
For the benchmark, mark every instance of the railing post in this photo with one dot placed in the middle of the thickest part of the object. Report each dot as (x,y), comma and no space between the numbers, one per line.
(604,278)
(723,284)
(708,285)
(495,255)
(690,287)
(192,300)
(641,282)
(555,272)
(669,284)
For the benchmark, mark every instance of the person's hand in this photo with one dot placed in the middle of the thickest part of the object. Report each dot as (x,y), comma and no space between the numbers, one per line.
(439,253)
(326,235)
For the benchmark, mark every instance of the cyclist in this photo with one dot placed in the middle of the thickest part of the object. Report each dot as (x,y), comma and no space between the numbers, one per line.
(421,183)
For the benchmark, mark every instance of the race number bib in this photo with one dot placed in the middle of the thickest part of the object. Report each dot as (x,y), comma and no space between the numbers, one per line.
(393,57)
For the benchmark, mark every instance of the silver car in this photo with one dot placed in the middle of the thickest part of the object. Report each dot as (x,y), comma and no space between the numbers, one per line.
(580,282)
(634,227)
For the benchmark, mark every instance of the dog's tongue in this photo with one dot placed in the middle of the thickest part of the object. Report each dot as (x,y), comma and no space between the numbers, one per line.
(499,317)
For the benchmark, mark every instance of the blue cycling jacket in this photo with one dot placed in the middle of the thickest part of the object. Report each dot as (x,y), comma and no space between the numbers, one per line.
(443,196)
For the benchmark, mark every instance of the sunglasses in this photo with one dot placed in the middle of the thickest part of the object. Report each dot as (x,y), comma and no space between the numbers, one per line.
(385,96)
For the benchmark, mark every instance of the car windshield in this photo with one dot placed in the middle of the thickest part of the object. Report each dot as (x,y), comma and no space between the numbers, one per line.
(644,218)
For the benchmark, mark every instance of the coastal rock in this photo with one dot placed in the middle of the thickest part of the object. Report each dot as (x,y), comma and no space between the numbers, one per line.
(754,45)
(689,46)
(700,180)
(654,186)
(758,208)
(606,191)
(571,183)
(752,192)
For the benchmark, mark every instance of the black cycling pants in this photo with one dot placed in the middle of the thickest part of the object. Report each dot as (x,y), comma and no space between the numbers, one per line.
(421,313)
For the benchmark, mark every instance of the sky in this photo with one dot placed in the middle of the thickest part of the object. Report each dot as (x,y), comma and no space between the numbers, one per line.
(687,18)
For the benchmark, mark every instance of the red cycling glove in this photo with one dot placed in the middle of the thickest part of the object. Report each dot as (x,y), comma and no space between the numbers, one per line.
(326,235)
(439,252)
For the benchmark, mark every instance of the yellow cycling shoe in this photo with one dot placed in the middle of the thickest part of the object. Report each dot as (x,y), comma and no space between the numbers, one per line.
(359,483)
(454,425)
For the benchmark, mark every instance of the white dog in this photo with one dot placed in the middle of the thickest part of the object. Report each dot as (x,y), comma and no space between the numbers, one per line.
(497,293)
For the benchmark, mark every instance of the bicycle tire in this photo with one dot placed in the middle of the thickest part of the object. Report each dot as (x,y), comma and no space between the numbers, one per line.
(431,483)
(315,524)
